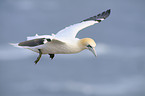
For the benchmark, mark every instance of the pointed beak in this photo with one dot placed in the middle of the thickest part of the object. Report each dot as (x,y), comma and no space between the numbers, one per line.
(93,51)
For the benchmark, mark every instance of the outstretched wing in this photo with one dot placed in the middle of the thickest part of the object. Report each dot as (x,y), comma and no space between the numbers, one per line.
(35,41)
(39,41)
(72,30)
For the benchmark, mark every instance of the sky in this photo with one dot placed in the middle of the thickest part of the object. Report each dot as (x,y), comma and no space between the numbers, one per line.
(118,69)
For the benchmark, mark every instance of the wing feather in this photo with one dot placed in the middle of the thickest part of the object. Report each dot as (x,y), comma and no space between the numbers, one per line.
(39,36)
(72,30)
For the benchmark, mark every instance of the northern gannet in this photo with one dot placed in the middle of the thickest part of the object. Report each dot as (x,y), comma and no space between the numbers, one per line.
(65,41)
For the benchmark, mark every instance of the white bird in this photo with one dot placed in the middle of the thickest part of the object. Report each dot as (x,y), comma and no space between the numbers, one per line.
(65,41)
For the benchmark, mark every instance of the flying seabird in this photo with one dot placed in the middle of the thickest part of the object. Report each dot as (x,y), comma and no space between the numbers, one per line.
(65,41)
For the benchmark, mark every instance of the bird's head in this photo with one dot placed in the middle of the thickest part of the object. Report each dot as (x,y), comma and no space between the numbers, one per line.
(88,43)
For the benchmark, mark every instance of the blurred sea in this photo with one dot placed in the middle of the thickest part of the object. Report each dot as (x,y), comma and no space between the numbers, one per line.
(118,70)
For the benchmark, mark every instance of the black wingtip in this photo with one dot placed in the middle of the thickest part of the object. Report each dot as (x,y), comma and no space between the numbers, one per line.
(108,11)
(105,14)
(100,16)
(32,43)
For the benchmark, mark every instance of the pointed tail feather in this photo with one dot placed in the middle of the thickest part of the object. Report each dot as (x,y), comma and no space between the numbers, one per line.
(15,45)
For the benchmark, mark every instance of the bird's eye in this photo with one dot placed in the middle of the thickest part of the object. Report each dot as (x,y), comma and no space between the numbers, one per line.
(89,46)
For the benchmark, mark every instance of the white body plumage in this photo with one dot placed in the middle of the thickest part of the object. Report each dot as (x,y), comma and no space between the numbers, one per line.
(65,41)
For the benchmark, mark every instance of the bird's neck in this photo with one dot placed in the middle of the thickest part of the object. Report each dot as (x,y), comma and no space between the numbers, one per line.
(81,43)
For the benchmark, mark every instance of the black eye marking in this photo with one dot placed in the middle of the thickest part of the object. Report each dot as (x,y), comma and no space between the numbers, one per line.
(89,46)
(49,40)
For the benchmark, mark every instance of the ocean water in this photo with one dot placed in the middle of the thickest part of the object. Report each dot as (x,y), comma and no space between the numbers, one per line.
(118,70)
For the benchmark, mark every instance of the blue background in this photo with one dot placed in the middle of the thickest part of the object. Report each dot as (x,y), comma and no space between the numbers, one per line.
(118,70)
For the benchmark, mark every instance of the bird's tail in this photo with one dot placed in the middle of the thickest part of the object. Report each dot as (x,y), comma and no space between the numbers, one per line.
(15,45)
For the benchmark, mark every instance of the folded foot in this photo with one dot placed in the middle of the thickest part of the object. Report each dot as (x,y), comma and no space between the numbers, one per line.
(38,58)
(51,56)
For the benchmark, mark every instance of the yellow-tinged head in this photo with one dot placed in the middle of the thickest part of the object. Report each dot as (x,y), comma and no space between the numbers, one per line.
(88,43)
